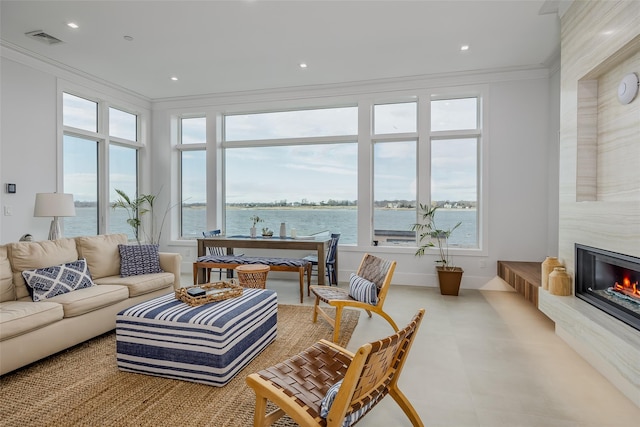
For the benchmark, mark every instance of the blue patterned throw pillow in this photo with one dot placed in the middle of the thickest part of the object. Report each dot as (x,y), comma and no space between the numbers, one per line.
(363,290)
(139,259)
(59,279)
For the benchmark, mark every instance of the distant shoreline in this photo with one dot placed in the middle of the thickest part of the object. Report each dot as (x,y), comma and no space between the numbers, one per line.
(282,208)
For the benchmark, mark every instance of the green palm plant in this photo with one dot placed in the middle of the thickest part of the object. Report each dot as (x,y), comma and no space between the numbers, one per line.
(135,209)
(428,232)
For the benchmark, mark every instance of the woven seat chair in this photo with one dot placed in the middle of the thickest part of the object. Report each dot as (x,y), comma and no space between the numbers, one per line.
(301,385)
(372,268)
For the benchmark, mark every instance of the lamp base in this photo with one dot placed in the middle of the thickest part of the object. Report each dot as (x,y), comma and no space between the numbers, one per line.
(54,229)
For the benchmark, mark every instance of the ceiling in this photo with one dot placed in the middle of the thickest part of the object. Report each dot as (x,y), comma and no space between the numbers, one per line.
(243,45)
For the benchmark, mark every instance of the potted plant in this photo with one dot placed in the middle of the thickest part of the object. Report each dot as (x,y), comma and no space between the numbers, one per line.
(256,219)
(429,235)
(267,233)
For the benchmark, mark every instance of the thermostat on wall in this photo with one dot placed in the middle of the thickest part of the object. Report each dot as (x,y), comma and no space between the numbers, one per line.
(11,188)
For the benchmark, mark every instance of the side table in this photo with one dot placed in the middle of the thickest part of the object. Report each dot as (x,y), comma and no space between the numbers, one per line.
(253,275)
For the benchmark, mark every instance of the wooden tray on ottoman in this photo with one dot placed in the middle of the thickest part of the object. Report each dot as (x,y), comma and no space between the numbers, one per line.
(217,291)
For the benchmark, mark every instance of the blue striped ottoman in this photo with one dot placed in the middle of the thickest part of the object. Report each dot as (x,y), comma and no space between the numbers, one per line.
(206,344)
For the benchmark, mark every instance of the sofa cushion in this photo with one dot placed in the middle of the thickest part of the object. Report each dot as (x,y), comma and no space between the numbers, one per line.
(140,285)
(58,279)
(101,253)
(7,290)
(85,300)
(19,317)
(139,259)
(32,255)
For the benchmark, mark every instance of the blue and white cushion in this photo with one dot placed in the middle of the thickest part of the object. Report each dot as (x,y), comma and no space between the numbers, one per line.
(139,259)
(327,401)
(363,290)
(58,279)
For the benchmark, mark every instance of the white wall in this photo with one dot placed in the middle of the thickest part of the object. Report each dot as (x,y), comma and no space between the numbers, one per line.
(28,147)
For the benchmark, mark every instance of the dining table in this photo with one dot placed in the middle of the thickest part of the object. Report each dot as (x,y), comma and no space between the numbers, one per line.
(319,244)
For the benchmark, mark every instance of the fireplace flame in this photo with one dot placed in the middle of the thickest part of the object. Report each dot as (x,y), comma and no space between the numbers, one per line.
(627,288)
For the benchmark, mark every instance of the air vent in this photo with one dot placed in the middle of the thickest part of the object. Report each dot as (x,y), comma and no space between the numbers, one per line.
(43,37)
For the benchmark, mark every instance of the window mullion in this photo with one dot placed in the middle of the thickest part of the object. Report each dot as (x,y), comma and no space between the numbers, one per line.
(424,150)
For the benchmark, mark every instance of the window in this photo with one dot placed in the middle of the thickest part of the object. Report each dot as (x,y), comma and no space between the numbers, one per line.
(301,167)
(395,118)
(307,183)
(123,125)
(454,168)
(194,184)
(193,167)
(80,172)
(123,175)
(79,113)
(394,174)
(194,130)
(92,156)
(312,188)
(292,124)
(454,114)
(394,189)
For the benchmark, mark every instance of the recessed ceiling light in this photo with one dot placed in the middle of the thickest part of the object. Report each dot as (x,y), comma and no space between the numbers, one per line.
(174,78)
(72,25)
(464,47)
(303,65)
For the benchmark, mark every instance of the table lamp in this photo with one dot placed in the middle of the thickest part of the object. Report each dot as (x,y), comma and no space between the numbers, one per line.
(55,205)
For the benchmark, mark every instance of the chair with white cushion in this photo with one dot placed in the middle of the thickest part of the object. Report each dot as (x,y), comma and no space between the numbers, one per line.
(367,290)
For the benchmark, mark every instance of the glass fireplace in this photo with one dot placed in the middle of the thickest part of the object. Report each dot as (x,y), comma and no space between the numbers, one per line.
(609,281)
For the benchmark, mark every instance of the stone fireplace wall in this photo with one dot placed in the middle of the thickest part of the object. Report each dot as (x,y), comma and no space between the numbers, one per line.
(599,175)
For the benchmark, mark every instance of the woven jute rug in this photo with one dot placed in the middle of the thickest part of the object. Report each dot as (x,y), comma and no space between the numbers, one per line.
(83,386)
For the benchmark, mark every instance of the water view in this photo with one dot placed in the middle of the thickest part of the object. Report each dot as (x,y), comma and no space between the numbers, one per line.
(306,221)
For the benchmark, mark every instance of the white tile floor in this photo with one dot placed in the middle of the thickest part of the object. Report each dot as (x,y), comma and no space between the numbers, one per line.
(485,358)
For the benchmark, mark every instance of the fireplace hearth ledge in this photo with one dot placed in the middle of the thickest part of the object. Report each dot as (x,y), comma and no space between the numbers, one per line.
(609,345)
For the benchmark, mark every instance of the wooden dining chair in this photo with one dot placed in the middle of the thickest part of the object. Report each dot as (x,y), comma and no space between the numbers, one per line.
(330,261)
(326,385)
(213,250)
(367,290)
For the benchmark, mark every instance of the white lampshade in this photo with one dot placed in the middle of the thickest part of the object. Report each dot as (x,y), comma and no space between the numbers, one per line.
(54,204)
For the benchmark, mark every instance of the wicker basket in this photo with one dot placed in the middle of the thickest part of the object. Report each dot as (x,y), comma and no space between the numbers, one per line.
(217,291)
(253,275)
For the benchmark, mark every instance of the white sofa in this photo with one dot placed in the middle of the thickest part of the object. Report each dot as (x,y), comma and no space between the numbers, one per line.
(32,330)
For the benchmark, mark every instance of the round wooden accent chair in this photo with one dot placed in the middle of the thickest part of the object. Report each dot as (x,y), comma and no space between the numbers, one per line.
(253,275)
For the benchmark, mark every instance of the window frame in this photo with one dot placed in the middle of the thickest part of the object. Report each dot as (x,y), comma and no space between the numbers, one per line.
(104,141)
(181,148)
(365,102)
(280,142)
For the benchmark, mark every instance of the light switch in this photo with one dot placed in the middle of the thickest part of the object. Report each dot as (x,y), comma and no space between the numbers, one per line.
(8,210)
